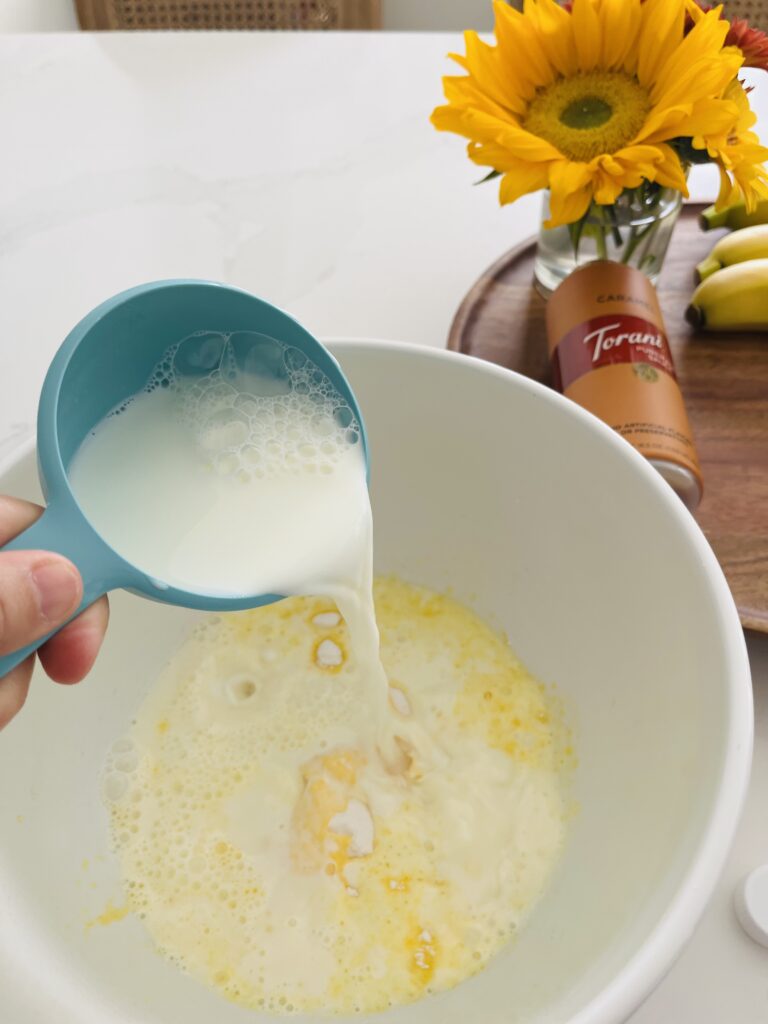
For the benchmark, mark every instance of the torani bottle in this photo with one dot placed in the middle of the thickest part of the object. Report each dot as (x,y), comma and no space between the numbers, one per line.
(610,354)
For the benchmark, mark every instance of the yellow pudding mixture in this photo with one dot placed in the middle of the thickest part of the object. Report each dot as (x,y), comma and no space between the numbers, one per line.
(293,869)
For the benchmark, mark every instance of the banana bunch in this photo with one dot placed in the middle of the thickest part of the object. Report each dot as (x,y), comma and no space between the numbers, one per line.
(733,299)
(734,217)
(738,247)
(733,293)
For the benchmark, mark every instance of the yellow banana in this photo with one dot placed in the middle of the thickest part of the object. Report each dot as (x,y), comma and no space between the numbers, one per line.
(733,299)
(734,217)
(739,246)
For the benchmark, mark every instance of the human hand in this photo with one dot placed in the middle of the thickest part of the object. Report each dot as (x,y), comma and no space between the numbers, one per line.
(39,591)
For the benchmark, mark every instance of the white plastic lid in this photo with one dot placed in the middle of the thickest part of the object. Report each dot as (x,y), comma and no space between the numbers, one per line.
(751,900)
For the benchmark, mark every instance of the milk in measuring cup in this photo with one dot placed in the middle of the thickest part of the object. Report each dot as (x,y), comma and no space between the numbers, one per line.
(239,470)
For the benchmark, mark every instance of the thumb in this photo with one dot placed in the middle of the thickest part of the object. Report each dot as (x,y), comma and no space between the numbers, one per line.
(38,592)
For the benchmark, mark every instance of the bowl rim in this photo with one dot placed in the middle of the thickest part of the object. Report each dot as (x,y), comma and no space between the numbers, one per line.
(657,952)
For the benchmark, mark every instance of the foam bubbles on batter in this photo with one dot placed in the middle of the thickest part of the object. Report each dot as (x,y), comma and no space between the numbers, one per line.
(284,864)
(122,762)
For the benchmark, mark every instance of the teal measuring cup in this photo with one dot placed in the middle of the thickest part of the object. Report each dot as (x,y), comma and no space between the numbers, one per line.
(107,358)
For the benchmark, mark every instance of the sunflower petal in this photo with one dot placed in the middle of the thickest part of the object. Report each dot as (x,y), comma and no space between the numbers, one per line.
(496,78)
(697,55)
(460,59)
(726,194)
(570,186)
(621,20)
(523,48)
(587,34)
(478,126)
(463,92)
(706,78)
(707,117)
(669,171)
(661,33)
(738,96)
(522,179)
(606,189)
(526,145)
(552,24)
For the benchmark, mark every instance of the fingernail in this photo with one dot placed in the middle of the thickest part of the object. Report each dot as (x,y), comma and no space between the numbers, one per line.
(58,589)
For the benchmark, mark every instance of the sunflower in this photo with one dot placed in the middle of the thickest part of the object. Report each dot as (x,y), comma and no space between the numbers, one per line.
(591,102)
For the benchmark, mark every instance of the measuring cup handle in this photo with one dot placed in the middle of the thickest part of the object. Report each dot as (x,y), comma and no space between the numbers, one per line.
(62,529)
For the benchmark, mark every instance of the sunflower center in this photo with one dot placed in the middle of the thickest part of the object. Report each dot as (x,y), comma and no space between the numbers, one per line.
(589,114)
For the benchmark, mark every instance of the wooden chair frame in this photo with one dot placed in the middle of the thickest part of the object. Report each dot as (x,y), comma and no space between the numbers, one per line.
(228,14)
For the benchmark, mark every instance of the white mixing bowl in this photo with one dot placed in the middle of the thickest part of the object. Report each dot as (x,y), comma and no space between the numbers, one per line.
(545,521)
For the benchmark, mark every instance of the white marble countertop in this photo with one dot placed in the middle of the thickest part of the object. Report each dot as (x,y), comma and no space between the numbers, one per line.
(300,167)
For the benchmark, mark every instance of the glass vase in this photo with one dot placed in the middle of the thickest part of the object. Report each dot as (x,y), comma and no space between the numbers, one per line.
(635,230)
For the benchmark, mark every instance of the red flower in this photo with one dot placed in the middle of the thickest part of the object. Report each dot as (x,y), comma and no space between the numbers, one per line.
(751,41)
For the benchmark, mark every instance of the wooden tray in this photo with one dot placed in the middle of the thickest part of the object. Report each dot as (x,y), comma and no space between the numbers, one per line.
(724,379)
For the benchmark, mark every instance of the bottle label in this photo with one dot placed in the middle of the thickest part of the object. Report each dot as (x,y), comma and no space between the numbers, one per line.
(642,404)
(606,341)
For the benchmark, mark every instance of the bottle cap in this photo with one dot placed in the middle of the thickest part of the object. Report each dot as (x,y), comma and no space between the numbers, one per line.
(751,901)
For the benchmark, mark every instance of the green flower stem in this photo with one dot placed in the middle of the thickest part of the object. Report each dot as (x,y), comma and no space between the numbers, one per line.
(645,255)
(647,234)
(617,239)
(602,248)
(635,238)
(604,222)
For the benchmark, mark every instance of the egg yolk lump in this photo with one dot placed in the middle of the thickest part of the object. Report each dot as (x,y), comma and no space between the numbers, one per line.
(273,857)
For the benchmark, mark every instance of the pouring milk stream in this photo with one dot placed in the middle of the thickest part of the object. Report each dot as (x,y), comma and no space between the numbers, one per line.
(249,470)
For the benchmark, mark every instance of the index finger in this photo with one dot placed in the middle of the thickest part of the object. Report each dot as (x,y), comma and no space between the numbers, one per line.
(16,515)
